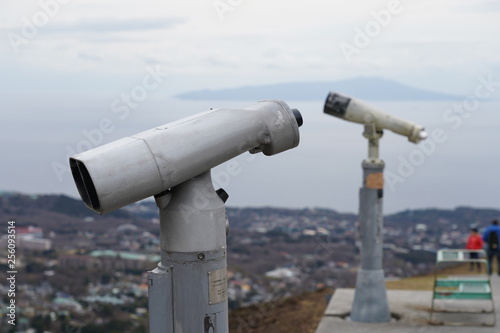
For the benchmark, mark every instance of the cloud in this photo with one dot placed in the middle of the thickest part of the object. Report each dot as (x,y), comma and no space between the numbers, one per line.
(111,25)
(105,26)
(487,6)
(90,57)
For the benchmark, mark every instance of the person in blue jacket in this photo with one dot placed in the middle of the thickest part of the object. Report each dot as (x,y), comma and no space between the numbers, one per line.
(491,237)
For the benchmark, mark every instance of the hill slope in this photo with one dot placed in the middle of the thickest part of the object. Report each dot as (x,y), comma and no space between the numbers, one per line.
(295,314)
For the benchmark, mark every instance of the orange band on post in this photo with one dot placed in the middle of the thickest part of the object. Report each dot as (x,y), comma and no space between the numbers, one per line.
(375,180)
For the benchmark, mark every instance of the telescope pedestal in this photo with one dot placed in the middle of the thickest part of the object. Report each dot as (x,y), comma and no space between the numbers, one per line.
(188,289)
(370,298)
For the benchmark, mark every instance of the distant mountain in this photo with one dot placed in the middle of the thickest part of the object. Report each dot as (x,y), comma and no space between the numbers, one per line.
(368,88)
(13,205)
(462,216)
(61,214)
(26,209)
(17,203)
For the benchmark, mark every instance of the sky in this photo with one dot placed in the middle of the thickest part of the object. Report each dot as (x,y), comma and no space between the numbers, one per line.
(67,65)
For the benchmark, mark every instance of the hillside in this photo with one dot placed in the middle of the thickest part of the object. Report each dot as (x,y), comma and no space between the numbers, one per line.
(281,262)
(369,88)
(21,204)
(303,313)
(462,216)
(18,205)
(300,313)
(65,216)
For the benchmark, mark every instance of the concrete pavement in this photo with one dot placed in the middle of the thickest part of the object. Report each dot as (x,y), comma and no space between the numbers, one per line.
(411,310)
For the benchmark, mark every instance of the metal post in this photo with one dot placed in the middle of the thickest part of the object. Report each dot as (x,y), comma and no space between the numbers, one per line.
(188,289)
(370,299)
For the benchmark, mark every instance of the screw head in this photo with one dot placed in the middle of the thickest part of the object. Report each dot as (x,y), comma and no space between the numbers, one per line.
(201,256)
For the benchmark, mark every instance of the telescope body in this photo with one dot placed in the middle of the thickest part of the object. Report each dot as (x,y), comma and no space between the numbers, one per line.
(355,110)
(142,165)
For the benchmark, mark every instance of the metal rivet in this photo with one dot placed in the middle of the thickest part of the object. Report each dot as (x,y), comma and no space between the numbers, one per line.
(201,256)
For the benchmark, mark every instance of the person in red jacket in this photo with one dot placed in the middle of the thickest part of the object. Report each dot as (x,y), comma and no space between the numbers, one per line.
(474,242)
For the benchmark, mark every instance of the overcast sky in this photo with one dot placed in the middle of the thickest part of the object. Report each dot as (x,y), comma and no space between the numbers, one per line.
(65,64)
(435,44)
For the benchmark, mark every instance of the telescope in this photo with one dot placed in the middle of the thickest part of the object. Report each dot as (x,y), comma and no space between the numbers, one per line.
(355,110)
(370,304)
(172,162)
(142,165)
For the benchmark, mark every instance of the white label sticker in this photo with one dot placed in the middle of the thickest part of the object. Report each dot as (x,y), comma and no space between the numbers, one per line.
(217,286)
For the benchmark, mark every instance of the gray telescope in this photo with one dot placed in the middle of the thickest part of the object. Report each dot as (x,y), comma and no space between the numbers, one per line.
(355,110)
(172,162)
(148,163)
(370,303)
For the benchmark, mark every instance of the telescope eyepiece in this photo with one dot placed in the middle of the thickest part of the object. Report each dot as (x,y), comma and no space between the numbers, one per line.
(298,117)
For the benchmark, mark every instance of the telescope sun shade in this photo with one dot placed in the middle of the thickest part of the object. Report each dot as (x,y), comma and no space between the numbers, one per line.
(84,184)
